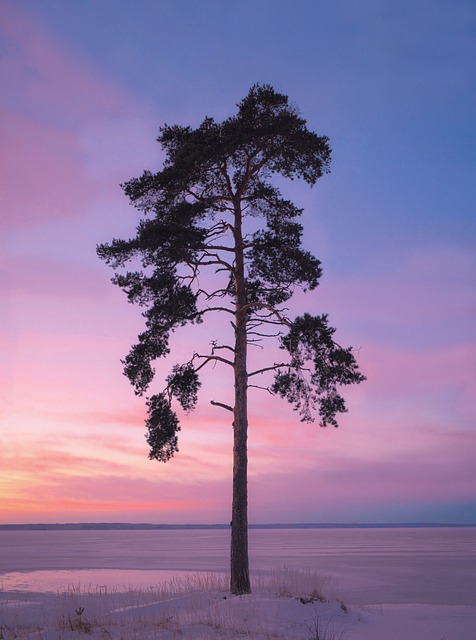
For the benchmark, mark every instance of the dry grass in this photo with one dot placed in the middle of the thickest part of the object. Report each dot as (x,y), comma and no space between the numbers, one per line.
(288,582)
(193,606)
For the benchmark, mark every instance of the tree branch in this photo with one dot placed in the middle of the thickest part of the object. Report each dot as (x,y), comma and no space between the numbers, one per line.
(217,309)
(219,293)
(203,261)
(221,346)
(256,386)
(223,406)
(224,172)
(268,307)
(219,229)
(220,248)
(209,358)
(274,367)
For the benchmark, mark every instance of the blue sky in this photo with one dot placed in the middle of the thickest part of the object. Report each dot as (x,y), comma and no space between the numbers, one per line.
(86,87)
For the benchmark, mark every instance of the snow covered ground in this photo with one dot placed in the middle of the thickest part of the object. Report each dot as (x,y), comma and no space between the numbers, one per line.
(287,604)
(356,585)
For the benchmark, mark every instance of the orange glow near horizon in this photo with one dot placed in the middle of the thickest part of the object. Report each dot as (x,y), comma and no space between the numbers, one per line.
(79,119)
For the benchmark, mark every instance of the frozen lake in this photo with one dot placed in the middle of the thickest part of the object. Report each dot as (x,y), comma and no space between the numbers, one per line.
(367,566)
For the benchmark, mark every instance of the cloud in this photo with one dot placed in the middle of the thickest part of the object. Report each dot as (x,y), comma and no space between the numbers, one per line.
(438,382)
(40,173)
(73,440)
(79,486)
(68,134)
(43,80)
(419,298)
(348,484)
(45,277)
(86,472)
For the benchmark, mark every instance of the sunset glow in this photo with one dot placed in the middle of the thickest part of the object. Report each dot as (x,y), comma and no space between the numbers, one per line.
(85,88)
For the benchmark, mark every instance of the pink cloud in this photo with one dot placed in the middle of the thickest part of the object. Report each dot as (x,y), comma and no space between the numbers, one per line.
(39,172)
(306,481)
(350,484)
(45,78)
(438,383)
(361,463)
(121,493)
(48,463)
(44,277)
(426,297)
(74,444)
(64,128)
(392,370)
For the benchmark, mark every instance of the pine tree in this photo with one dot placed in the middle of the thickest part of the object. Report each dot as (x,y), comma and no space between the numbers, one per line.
(214,207)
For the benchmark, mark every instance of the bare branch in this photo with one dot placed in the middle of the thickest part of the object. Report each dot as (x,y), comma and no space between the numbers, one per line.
(224,172)
(217,309)
(220,248)
(219,293)
(221,346)
(259,321)
(253,343)
(215,259)
(223,406)
(256,386)
(204,198)
(211,358)
(219,228)
(272,311)
(274,367)
(219,231)
(265,335)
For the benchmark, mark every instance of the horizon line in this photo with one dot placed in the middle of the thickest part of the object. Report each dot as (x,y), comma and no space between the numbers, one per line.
(190,526)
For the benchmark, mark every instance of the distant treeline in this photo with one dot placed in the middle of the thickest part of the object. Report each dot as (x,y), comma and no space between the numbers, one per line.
(105,526)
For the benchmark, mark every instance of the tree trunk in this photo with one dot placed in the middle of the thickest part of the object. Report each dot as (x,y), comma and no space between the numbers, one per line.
(240,575)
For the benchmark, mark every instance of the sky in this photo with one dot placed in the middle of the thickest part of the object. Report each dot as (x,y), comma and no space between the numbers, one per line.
(85,88)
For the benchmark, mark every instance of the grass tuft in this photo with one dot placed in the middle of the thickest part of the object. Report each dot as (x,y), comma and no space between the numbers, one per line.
(197,605)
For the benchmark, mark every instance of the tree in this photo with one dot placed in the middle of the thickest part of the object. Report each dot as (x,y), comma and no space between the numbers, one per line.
(213,208)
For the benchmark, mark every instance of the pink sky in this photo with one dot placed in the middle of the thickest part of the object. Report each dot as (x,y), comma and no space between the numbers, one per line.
(72,442)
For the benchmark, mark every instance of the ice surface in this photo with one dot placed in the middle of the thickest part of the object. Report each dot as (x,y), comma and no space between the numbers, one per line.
(417,584)
(367,566)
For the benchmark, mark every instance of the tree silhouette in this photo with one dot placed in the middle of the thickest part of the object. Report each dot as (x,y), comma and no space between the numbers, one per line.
(214,209)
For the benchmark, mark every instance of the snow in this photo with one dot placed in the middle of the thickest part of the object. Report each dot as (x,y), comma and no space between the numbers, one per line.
(198,606)
(394,585)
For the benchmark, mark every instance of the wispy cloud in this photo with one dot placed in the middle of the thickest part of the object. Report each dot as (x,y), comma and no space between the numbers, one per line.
(72,438)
